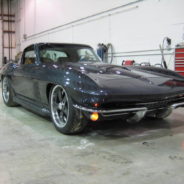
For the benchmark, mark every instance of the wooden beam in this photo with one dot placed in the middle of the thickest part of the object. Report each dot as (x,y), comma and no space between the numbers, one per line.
(9,47)
(11,21)
(6,31)
(7,15)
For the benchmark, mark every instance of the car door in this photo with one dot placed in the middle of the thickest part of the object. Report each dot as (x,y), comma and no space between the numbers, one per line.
(24,77)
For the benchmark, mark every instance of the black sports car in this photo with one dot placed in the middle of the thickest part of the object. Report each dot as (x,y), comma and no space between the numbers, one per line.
(71,84)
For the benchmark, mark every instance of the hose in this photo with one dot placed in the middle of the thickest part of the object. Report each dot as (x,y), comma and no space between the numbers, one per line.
(109,53)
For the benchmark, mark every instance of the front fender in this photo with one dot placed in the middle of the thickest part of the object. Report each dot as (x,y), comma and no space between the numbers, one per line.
(83,90)
(7,69)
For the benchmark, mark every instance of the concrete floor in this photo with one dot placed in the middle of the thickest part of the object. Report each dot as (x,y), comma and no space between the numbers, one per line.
(33,152)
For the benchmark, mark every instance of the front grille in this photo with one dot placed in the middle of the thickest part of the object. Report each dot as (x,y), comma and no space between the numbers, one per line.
(149,105)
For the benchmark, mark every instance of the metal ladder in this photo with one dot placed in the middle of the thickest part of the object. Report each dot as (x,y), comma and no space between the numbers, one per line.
(8,31)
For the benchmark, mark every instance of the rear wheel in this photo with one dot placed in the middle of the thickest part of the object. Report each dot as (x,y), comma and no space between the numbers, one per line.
(7,92)
(65,117)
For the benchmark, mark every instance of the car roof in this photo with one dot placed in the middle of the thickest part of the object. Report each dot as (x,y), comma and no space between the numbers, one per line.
(60,44)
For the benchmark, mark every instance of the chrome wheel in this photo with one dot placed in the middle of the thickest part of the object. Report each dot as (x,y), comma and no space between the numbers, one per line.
(5,90)
(59,106)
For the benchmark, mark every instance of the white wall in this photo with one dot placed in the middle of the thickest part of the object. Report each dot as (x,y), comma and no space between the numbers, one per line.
(0,43)
(140,26)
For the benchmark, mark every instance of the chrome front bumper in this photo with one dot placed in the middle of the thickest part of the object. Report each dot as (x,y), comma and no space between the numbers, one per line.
(119,112)
(177,105)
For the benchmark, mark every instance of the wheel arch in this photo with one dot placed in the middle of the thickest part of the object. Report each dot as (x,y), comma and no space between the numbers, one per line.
(5,75)
(48,88)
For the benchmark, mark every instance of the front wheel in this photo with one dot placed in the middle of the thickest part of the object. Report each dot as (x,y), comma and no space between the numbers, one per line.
(7,92)
(65,117)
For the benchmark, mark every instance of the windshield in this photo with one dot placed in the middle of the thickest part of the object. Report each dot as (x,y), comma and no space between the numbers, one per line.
(67,53)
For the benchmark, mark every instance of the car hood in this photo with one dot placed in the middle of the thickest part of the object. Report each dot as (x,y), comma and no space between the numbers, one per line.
(129,80)
(108,71)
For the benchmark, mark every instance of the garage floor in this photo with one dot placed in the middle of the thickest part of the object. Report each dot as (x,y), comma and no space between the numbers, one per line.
(33,152)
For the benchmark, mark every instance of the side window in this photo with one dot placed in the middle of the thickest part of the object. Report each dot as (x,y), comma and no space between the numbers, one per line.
(29,56)
(86,54)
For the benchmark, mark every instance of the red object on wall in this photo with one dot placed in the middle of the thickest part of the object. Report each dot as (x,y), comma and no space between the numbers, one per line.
(128,62)
(179,60)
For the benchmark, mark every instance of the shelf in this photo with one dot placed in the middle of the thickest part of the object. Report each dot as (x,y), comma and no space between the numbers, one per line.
(11,21)
(8,15)
(9,47)
(6,31)
(179,65)
(179,58)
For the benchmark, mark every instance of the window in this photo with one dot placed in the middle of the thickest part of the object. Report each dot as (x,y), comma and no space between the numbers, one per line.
(29,56)
(61,53)
(86,55)
(51,55)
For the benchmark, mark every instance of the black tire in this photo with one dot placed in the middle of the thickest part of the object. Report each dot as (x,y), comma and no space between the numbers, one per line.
(66,118)
(161,114)
(7,92)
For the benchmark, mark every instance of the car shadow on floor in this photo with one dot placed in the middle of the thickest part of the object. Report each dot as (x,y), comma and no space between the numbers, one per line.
(145,129)
(114,129)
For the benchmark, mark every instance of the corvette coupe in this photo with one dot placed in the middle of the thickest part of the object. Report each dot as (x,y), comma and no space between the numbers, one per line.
(72,85)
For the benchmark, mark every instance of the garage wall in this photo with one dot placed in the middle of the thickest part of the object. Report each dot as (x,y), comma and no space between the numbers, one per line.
(0,43)
(135,28)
